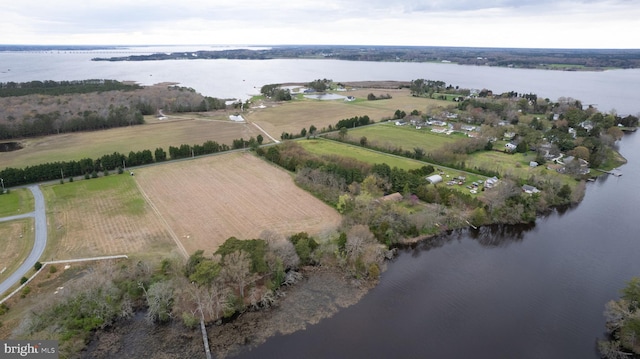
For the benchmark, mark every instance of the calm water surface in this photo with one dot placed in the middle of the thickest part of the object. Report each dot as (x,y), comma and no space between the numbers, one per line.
(500,292)
(615,89)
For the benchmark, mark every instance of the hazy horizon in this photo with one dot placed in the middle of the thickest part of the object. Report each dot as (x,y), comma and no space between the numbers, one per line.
(546,24)
(259,46)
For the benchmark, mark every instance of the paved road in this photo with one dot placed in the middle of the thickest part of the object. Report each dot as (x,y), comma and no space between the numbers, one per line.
(40,239)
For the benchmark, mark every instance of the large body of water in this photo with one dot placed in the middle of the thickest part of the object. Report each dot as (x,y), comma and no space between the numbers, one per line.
(499,292)
(608,90)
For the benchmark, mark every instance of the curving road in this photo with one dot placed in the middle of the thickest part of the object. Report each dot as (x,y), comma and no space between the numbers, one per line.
(40,239)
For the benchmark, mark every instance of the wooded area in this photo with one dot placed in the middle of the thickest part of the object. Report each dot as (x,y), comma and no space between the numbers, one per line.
(40,108)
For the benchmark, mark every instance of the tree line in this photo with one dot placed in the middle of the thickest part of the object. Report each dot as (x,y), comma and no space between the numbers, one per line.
(54,88)
(115,161)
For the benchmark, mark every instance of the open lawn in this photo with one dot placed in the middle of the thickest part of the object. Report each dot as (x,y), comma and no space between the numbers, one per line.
(207,200)
(192,129)
(514,165)
(327,147)
(295,115)
(102,216)
(388,135)
(17,201)
(16,241)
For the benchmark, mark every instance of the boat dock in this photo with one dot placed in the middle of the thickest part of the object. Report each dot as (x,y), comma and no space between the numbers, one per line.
(614,172)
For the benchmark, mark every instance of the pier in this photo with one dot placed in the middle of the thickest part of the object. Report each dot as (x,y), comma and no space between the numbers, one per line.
(614,172)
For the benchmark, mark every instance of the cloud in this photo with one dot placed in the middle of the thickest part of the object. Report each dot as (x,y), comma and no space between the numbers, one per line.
(525,23)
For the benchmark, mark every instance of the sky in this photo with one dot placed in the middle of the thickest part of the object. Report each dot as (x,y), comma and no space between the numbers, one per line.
(473,23)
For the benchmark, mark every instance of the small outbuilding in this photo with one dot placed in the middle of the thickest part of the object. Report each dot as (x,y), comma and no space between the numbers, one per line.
(434,179)
(530,189)
(394,197)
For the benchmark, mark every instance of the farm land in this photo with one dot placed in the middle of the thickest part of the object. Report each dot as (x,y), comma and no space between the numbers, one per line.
(16,241)
(103,216)
(175,208)
(201,203)
(84,221)
(183,129)
(295,115)
(205,201)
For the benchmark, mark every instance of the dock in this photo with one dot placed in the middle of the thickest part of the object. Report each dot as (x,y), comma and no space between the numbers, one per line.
(614,172)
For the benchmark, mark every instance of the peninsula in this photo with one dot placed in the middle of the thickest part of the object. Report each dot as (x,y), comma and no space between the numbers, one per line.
(553,59)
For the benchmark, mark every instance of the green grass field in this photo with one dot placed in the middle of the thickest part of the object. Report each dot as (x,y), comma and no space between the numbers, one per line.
(388,135)
(117,184)
(514,165)
(327,147)
(17,201)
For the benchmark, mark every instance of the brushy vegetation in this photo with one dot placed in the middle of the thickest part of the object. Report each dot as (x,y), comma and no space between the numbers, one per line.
(623,324)
(241,275)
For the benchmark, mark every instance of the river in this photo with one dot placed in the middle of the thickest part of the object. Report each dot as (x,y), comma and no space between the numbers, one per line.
(499,292)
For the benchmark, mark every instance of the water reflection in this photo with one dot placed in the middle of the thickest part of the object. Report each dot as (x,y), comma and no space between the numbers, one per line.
(493,236)
(500,235)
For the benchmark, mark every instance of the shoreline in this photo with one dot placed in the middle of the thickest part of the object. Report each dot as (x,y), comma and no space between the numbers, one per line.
(323,293)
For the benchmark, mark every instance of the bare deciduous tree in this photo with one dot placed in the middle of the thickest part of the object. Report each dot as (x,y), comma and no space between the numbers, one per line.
(281,248)
(357,238)
(159,300)
(237,269)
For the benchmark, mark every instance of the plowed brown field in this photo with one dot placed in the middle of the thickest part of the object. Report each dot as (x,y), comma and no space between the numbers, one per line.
(16,240)
(207,200)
